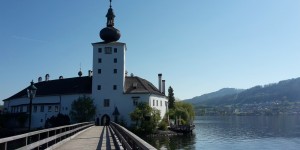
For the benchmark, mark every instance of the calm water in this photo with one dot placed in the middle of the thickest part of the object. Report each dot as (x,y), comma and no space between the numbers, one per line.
(237,133)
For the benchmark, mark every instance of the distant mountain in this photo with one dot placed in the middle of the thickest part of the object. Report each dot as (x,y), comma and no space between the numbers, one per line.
(209,96)
(283,91)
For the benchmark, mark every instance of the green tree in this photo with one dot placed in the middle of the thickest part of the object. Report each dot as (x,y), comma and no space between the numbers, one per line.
(183,110)
(171,98)
(146,118)
(83,109)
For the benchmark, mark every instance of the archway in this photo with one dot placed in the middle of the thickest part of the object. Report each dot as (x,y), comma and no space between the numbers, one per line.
(105,120)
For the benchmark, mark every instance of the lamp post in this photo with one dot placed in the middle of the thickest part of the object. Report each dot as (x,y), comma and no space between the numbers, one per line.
(31,91)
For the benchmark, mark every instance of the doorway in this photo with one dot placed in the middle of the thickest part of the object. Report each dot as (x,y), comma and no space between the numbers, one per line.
(105,120)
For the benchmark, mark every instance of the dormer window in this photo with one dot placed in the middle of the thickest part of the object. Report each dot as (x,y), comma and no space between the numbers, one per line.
(134,85)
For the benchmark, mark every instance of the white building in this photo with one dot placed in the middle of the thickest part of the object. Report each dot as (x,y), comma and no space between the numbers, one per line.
(108,85)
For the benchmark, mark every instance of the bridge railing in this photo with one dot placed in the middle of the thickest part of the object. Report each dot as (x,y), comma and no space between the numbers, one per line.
(129,140)
(42,139)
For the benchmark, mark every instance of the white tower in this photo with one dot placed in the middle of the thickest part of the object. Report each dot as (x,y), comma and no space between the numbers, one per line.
(108,70)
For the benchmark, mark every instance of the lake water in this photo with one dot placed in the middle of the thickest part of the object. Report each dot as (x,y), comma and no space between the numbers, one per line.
(237,133)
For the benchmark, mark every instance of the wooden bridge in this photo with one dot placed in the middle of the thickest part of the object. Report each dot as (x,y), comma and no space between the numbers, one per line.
(82,136)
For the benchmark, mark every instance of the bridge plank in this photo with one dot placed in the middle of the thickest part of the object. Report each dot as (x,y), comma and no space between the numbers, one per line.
(96,137)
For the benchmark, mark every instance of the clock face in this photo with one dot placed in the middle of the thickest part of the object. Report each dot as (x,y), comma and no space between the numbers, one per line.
(108,50)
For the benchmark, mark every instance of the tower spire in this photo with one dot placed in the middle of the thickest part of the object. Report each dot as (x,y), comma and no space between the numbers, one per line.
(109,33)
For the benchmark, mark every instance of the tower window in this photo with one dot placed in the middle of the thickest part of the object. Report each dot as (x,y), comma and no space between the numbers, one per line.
(99,71)
(115,71)
(115,60)
(99,50)
(106,102)
(99,60)
(108,50)
(115,50)
(115,87)
(99,87)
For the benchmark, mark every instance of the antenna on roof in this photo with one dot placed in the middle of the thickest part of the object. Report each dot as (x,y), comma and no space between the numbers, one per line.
(80,73)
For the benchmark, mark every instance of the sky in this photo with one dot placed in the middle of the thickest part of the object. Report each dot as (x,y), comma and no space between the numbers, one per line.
(199,46)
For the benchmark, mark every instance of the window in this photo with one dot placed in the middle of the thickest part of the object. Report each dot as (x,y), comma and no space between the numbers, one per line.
(115,71)
(42,108)
(153,102)
(135,101)
(108,50)
(115,87)
(34,108)
(115,60)
(49,108)
(156,102)
(99,71)
(99,50)
(21,108)
(99,87)
(56,108)
(115,50)
(160,103)
(106,102)
(99,60)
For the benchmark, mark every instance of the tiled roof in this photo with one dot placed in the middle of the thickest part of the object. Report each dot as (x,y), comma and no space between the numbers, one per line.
(59,87)
(80,85)
(139,85)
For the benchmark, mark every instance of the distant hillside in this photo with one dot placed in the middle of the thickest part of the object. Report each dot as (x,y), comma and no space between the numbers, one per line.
(283,91)
(209,96)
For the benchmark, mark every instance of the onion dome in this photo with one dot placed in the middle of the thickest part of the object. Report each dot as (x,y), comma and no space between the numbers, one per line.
(110,33)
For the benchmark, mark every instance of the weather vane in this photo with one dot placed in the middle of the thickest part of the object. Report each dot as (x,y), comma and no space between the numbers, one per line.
(110,3)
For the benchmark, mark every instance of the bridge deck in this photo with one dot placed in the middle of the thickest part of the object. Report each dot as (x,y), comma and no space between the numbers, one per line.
(97,137)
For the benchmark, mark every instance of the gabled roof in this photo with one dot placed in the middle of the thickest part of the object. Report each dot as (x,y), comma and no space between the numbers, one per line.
(83,85)
(140,85)
(59,87)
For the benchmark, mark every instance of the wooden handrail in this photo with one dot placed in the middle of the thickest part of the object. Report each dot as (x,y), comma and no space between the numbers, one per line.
(129,140)
(64,132)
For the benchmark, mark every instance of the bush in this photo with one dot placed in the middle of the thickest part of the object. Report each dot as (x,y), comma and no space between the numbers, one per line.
(56,121)
(163,125)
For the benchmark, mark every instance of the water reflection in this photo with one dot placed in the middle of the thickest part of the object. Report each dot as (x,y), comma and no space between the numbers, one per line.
(237,132)
(173,142)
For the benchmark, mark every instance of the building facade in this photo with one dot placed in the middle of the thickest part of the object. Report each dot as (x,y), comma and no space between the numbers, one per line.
(113,91)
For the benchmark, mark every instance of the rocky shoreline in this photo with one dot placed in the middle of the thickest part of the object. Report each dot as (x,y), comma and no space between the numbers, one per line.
(160,133)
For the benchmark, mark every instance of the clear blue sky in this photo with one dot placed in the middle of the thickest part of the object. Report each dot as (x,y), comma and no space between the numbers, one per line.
(200,46)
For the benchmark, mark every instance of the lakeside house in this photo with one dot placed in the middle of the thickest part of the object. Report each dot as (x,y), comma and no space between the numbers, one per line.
(113,91)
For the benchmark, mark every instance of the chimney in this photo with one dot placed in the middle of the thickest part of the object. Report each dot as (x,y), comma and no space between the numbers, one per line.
(47,77)
(90,73)
(159,82)
(40,79)
(61,77)
(163,86)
